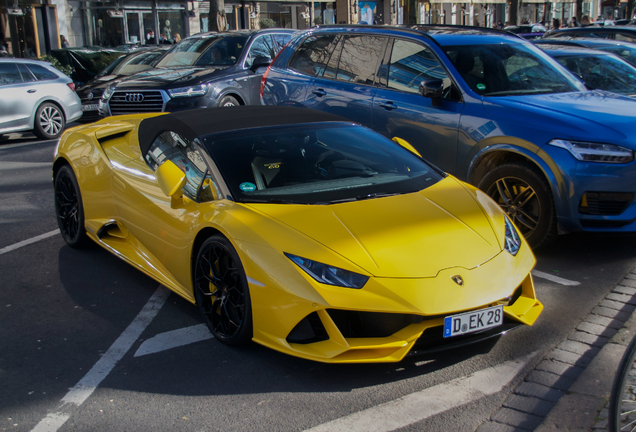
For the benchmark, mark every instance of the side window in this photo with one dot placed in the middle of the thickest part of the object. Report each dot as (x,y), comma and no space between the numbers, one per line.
(42,73)
(9,74)
(281,40)
(187,156)
(625,38)
(310,57)
(412,63)
(263,46)
(359,59)
(27,76)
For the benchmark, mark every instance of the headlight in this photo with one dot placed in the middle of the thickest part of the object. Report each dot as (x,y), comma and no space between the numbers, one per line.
(594,152)
(512,241)
(329,275)
(108,93)
(197,90)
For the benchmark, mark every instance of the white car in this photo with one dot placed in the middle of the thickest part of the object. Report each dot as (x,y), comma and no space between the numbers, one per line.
(36,96)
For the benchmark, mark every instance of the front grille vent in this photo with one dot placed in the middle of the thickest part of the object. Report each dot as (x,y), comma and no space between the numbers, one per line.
(133,102)
(605,203)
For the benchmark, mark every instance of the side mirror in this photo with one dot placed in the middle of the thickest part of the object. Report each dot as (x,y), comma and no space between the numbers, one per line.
(432,89)
(261,61)
(171,179)
(407,146)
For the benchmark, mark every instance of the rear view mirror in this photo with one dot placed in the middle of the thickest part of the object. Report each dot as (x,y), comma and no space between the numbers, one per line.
(432,89)
(407,146)
(261,61)
(171,179)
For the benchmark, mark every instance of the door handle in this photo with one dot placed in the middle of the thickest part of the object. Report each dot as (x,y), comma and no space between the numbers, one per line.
(31,91)
(388,105)
(319,92)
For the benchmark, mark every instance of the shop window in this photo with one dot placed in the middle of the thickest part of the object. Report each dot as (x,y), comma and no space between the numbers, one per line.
(170,24)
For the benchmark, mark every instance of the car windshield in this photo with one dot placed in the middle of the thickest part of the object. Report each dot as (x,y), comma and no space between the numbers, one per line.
(136,63)
(627,53)
(214,50)
(316,164)
(108,70)
(509,69)
(604,72)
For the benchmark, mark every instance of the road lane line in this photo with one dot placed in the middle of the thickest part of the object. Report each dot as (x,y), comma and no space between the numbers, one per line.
(87,385)
(559,280)
(429,402)
(35,239)
(173,339)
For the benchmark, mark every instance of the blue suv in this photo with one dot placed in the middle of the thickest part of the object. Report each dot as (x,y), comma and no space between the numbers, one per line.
(483,105)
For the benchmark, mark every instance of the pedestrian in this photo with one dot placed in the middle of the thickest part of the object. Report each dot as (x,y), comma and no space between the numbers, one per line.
(64,42)
(556,24)
(177,38)
(585,21)
(150,37)
(573,22)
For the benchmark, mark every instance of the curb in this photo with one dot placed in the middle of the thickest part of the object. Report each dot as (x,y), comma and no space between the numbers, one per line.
(569,389)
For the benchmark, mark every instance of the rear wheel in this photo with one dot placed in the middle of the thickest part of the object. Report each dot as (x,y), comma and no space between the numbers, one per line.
(229,101)
(221,291)
(69,208)
(49,121)
(524,194)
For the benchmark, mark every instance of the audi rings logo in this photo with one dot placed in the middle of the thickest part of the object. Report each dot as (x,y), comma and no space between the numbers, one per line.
(134,97)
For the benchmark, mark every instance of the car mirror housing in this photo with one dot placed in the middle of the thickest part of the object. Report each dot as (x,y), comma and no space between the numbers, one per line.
(432,89)
(171,179)
(407,146)
(261,61)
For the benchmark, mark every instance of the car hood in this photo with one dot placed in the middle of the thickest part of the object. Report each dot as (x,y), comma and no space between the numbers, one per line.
(169,77)
(592,115)
(408,236)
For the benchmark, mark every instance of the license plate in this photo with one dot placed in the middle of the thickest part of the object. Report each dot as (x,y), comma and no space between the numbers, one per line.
(470,322)
(91,107)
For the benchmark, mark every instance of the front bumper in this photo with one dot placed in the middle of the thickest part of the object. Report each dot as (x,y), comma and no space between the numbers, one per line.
(388,317)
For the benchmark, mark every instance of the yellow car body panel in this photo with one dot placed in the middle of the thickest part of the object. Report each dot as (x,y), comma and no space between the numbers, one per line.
(410,246)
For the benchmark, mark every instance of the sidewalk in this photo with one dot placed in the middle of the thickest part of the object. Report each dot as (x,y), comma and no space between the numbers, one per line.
(569,389)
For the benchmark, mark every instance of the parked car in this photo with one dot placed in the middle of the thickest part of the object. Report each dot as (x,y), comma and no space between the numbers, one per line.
(124,66)
(205,70)
(625,50)
(527,31)
(298,230)
(620,33)
(484,105)
(34,96)
(599,70)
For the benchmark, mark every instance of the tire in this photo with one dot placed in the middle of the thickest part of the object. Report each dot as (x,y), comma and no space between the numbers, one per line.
(229,101)
(49,121)
(524,194)
(221,291)
(623,396)
(69,208)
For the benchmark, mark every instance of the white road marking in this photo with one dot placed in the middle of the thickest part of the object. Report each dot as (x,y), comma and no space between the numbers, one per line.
(429,402)
(173,339)
(32,240)
(6,165)
(559,280)
(87,385)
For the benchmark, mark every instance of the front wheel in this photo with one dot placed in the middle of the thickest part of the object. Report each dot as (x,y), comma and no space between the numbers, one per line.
(221,291)
(69,208)
(49,121)
(229,101)
(524,194)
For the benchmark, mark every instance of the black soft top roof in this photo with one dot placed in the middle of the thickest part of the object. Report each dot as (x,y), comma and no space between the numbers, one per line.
(196,123)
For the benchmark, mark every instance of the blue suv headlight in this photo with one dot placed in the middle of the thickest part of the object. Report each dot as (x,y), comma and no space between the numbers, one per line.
(196,90)
(595,152)
(329,275)
(512,240)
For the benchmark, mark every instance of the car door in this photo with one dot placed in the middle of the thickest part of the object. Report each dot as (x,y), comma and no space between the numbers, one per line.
(400,110)
(262,46)
(18,96)
(163,227)
(346,84)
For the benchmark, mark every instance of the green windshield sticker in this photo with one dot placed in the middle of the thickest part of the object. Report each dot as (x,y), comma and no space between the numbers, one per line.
(247,187)
(481,86)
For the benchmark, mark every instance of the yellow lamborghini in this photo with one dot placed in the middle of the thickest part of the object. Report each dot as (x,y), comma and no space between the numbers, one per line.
(297,229)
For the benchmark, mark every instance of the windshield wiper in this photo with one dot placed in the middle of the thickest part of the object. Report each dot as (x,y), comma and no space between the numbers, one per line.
(364,197)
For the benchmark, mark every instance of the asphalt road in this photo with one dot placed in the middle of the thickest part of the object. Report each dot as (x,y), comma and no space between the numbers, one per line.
(66,319)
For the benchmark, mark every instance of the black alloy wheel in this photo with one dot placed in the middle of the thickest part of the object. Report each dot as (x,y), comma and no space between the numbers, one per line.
(49,121)
(69,208)
(221,291)
(524,194)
